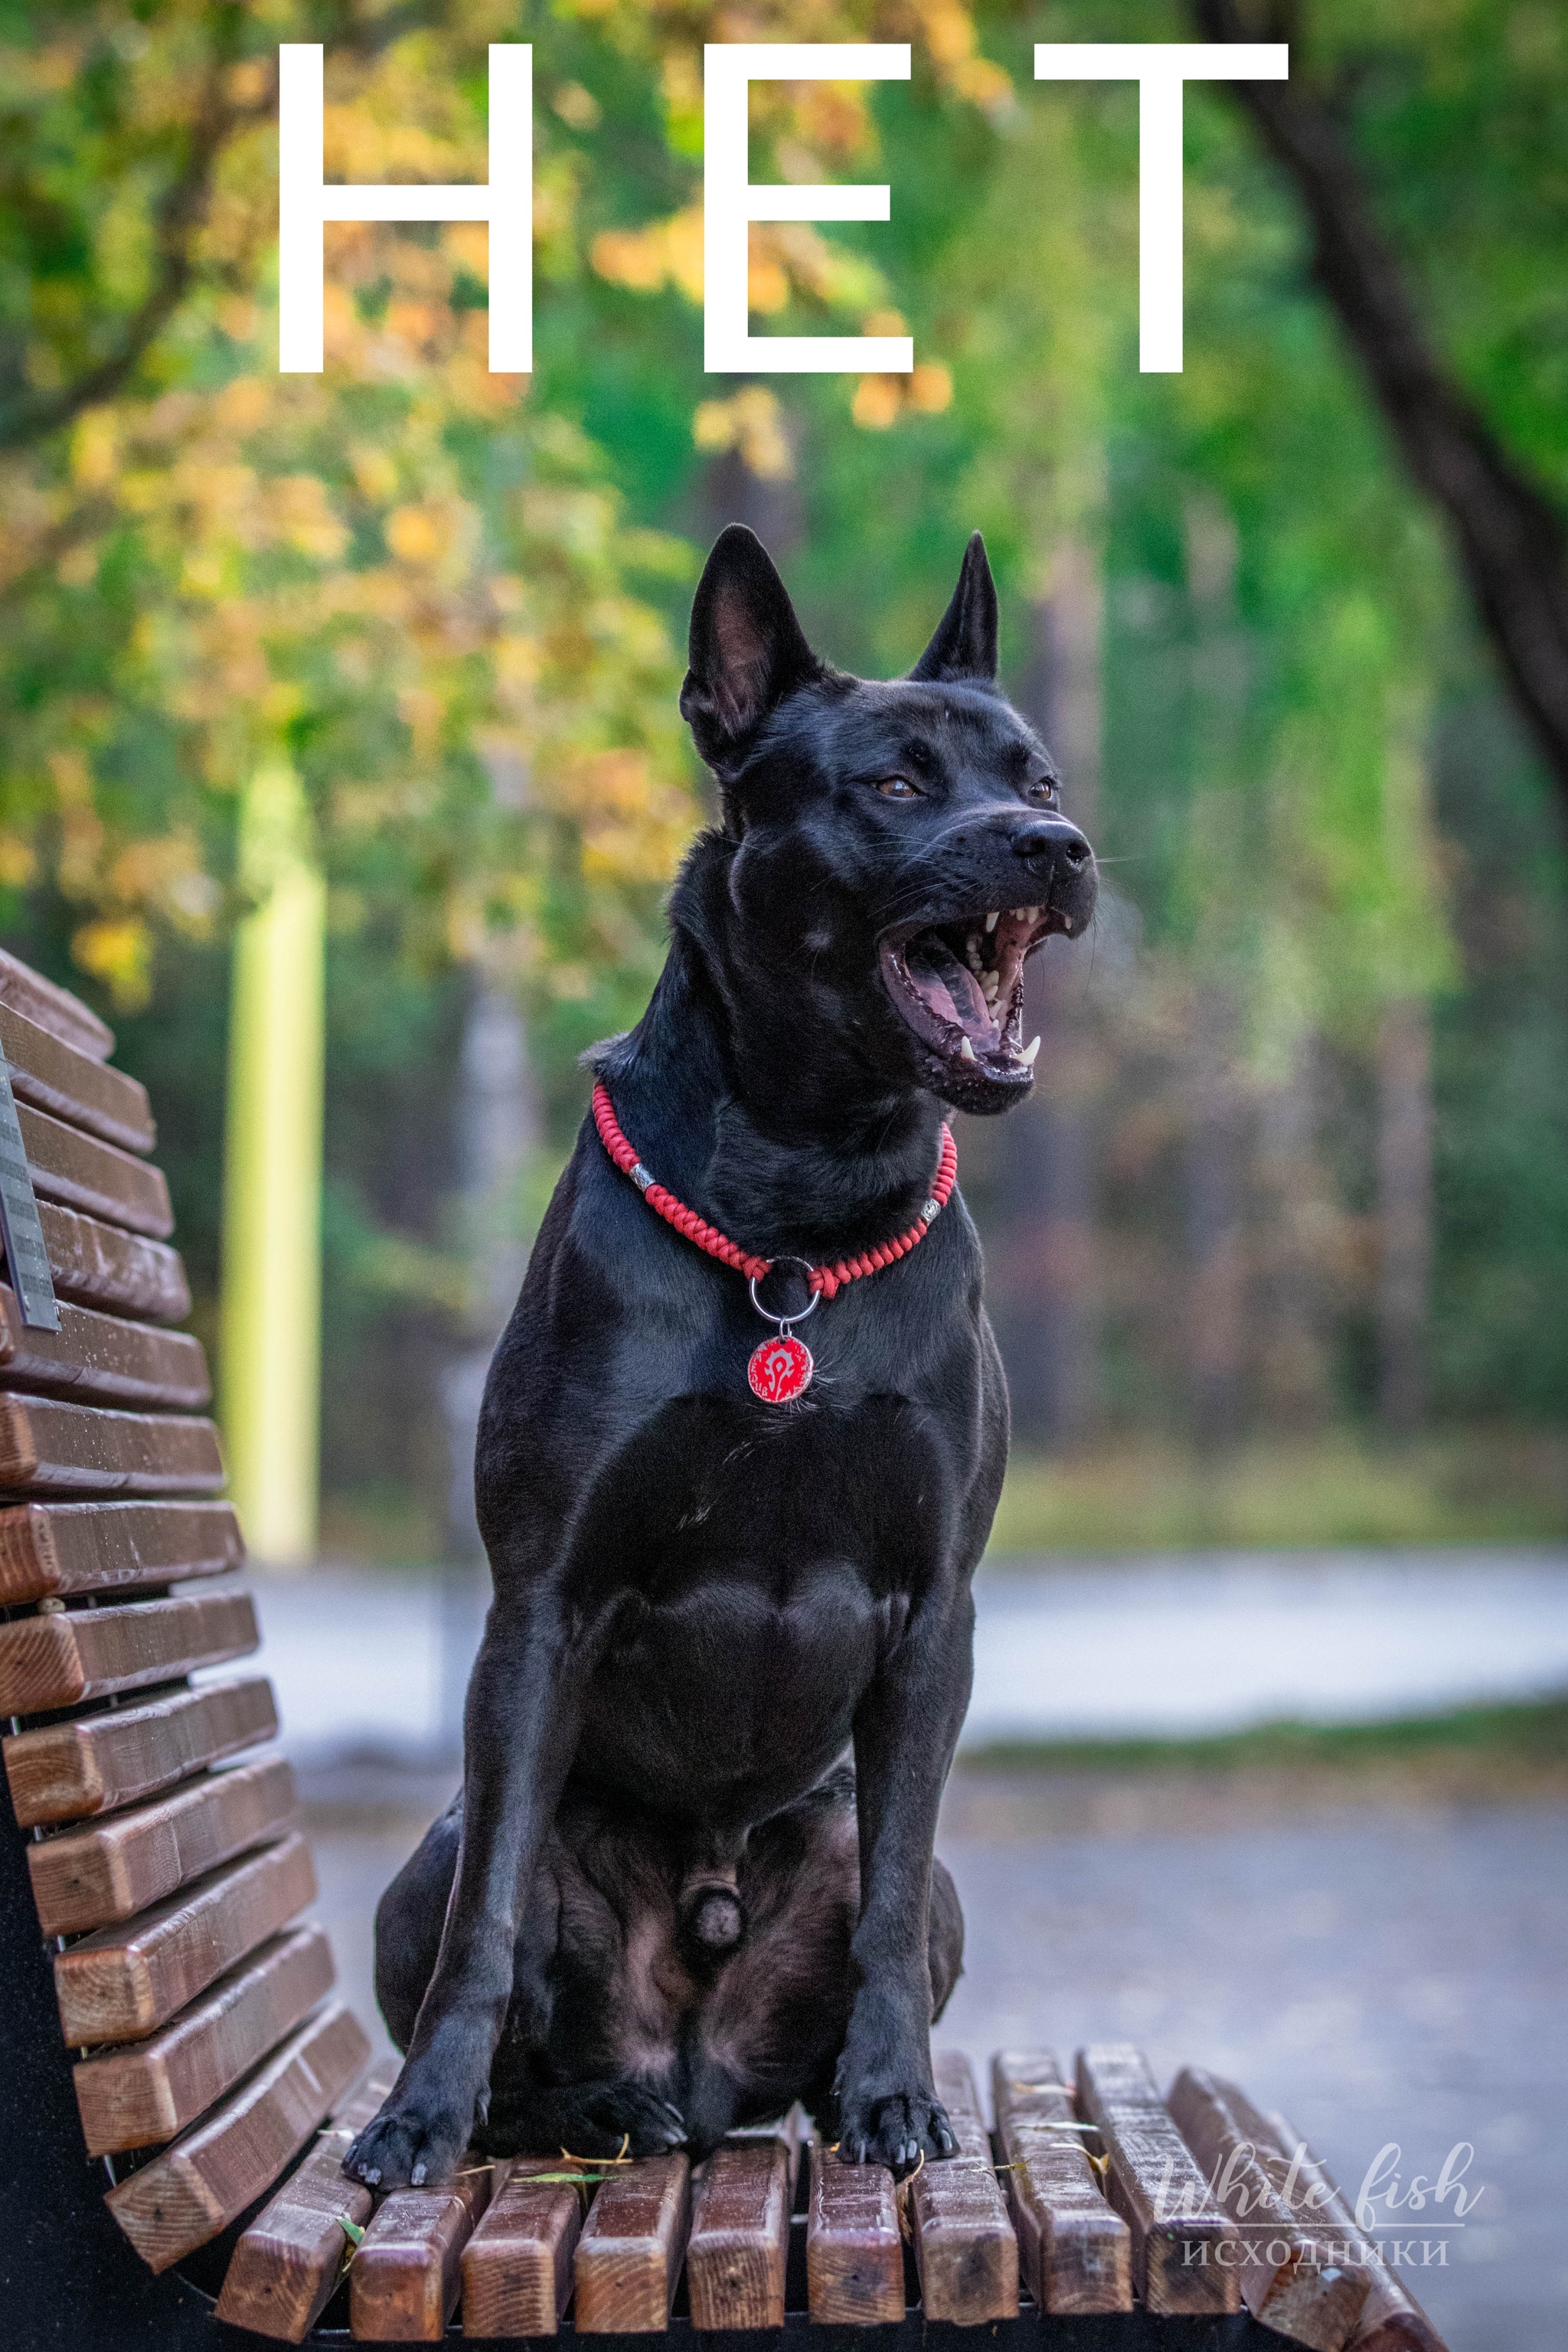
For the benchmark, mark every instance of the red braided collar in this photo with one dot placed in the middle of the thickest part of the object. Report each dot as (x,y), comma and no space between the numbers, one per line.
(822,1279)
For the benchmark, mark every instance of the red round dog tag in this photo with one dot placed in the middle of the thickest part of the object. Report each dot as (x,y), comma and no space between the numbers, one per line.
(780,1369)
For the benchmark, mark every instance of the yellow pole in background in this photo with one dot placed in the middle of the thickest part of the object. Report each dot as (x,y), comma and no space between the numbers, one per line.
(271,1304)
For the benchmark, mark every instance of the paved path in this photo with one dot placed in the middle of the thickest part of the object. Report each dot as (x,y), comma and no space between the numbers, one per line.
(1214,1641)
(1069,1650)
(1392,1981)
(1388,1976)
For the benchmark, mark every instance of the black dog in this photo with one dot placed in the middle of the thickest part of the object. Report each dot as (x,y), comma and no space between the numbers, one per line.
(703,1600)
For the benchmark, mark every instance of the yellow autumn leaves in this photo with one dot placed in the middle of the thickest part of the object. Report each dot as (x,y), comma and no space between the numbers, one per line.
(818,131)
(240,560)
(404,571)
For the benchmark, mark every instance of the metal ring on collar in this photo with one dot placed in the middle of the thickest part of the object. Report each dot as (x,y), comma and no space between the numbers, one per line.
(784,1322)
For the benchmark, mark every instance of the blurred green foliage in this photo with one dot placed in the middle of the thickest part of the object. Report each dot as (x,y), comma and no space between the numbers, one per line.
(1531,1738)
(1475,1483)
(457,598)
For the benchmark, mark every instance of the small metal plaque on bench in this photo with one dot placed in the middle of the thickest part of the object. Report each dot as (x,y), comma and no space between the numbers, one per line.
(19,1228)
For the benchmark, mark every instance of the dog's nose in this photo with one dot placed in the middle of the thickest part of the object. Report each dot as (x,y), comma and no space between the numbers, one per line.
(1049,838)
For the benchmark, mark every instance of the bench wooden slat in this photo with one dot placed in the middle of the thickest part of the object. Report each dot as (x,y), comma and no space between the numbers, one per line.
(54,1076)
(516,2266)
(284,2269)
(854,2253)
(1391,2319)
(86,1879)
(54,1551)
(79,1653)
(69,1166)
(69,1771)
(1184,2254)
(199,2184)
(738,2250)
(103,1266)
(103,1357)
(793,2130)
(1076,2253)
(122,1983)
(1286,2280)
(966,2245)
(54,1008)
(144,2092)
(47,1446)
(627,2263)
(408,2269)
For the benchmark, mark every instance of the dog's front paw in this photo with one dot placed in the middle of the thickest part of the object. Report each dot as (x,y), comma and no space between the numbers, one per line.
(893,2127)
(406,2147)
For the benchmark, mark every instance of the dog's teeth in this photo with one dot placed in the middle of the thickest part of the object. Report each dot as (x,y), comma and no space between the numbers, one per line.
(1031,914)
(1066,923)
(965,1051)
(971,952)
(991,922)
(1030,1050)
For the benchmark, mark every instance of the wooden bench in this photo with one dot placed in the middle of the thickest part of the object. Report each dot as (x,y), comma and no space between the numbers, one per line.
(154,1966)
(1102,2229)
(182,2084)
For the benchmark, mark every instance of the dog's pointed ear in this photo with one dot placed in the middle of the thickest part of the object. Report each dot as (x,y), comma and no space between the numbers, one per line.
(964,645)
(747,648)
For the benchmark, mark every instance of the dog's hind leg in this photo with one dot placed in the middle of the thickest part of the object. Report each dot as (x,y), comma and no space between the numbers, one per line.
(408,1923)
(944,1937)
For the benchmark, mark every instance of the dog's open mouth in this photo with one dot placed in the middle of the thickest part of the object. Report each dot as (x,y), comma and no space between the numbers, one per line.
(959,985)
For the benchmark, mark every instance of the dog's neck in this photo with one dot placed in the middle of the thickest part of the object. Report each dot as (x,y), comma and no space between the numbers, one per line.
(783,1136)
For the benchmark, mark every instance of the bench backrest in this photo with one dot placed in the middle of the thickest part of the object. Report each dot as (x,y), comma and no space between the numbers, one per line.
(167,2022)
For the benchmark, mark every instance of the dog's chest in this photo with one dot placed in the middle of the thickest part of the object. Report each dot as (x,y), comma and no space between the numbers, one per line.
(750,1638)
(714,1487)
(761,1571)
(737,1686)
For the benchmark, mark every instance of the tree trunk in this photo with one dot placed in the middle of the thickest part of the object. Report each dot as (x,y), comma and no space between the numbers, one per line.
(1215,1231)
(1216,1159)
(497,1129)
(1404,1211)
(497,1126)
(1511,537)
(755,480)
(1048,1311)
(1297,1223)
(1050,1323)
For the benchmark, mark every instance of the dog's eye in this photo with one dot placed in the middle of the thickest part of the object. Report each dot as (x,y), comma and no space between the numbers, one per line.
(1042,792)
(897,788)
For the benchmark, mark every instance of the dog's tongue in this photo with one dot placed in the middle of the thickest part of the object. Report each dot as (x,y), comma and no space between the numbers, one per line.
(946,985)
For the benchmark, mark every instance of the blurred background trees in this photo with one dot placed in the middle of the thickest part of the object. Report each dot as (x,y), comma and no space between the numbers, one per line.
(1281,1246)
